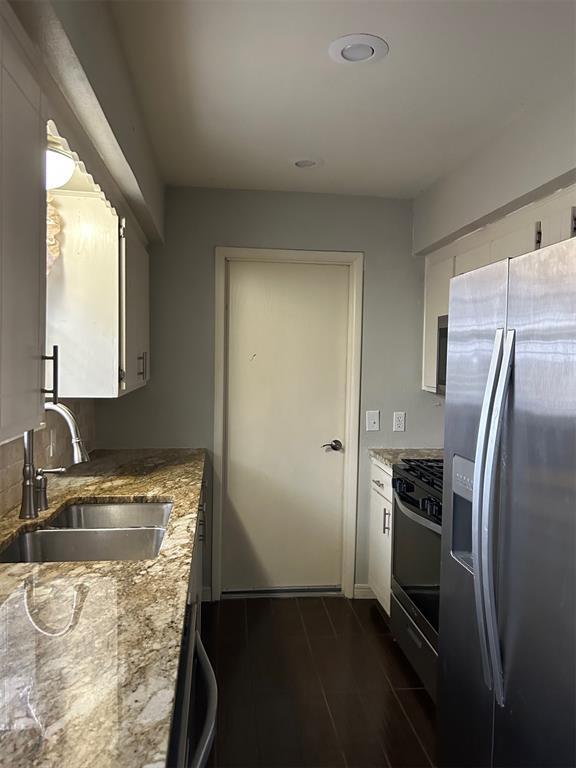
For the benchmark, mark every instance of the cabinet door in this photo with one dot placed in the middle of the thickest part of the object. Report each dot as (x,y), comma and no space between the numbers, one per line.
(520,240)
(473,259)
(557,217)
(380,550)
(83,286)
(135,309)
(437,288)
(22,246)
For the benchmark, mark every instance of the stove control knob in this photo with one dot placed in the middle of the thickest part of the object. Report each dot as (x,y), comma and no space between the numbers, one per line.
(401,485)
(433,507)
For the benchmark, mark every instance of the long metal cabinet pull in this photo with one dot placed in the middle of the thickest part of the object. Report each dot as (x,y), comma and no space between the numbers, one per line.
(479,464)
(488,499)
(55,373)
(200,757)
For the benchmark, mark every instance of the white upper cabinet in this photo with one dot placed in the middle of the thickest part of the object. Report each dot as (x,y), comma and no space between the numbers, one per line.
(135,312)
(97,299)
(22,244)
(537,225)
(557,216)
(439,271)
(83,284)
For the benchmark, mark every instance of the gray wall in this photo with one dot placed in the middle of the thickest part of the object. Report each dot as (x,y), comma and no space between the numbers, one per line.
(176,408)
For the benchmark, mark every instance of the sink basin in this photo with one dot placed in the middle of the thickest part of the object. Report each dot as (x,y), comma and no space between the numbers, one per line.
(127,514)
(66,545)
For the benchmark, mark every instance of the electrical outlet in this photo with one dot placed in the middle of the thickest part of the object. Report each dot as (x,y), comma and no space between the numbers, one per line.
(399,423)
(372,421)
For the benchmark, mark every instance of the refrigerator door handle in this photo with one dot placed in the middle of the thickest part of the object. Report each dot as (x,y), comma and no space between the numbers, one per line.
(479,466)
(488,503)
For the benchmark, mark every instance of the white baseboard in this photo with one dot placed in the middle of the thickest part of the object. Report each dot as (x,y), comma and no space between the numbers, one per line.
(363,592)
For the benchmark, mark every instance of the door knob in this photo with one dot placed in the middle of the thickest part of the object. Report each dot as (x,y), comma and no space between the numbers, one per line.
(336,445)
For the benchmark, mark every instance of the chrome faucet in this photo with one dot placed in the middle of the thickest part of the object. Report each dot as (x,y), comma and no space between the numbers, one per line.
(34,482)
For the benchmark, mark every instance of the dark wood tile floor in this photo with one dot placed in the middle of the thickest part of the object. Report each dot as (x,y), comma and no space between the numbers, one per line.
(314,681)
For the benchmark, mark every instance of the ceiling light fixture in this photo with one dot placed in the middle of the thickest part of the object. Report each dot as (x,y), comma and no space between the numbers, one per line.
(353,49)
(60,166)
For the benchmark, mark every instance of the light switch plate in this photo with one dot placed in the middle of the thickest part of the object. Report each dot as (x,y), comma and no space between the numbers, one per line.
(372,421)
(399,423)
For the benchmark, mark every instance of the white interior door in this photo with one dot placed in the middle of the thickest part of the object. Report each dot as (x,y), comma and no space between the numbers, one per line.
(286,397)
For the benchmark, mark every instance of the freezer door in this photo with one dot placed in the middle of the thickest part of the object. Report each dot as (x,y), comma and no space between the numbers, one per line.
(537,512)
(477,319)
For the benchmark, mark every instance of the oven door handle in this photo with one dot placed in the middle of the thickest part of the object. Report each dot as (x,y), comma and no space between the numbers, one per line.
(414,516)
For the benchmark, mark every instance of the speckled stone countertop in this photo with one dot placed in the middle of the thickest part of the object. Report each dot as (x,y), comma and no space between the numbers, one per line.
(391,456)
(90,650)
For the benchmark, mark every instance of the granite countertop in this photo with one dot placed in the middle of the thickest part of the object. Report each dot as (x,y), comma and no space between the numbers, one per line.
(391,456)
(90,650)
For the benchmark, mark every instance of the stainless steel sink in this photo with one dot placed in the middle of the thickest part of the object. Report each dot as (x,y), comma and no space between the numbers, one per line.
(66,545)
(122,514)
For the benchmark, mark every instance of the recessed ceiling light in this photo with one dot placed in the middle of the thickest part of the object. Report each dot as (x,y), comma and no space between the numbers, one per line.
(305,163)
(352,49)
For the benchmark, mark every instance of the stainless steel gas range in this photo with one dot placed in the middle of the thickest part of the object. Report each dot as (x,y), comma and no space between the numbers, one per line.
(416,556)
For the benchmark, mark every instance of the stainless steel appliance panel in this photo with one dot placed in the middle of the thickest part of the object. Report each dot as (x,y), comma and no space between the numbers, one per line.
(465,704)
(416,555)
(420,653)
(536,614)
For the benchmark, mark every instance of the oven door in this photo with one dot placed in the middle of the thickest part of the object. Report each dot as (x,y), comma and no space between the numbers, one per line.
(416,566)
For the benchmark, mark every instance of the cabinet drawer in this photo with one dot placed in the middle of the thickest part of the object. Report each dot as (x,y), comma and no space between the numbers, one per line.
(417,649)
(381,481)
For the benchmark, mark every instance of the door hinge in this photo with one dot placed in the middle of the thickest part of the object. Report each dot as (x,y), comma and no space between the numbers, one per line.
(538,235)
(121,374)
(122,229)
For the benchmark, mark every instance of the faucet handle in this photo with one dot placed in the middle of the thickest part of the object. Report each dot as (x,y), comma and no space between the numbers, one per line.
(41,486)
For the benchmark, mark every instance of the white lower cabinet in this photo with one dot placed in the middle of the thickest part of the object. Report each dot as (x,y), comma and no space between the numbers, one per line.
(380,533)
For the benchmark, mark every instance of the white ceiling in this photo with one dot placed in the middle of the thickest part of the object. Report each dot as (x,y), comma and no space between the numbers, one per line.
(234,91)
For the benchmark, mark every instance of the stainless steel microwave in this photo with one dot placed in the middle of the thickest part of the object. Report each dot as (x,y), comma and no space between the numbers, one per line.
(442,354)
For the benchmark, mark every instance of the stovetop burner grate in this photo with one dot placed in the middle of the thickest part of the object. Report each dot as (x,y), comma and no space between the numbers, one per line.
(428,471)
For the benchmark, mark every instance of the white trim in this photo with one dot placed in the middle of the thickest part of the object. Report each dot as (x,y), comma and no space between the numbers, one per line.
(352,430)
(363,592)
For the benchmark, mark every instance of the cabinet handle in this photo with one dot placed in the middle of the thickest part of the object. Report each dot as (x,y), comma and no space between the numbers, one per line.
(385,526)
(379,483)
(55,360)
(144,358)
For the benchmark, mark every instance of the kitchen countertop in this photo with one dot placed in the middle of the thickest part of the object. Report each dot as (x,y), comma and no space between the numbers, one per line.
(391,456)
(90,650)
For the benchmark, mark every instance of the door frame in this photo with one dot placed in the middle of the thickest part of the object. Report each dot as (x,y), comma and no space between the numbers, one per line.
(355,261)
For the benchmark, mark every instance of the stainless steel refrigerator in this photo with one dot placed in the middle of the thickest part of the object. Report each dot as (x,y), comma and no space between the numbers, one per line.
(507,643)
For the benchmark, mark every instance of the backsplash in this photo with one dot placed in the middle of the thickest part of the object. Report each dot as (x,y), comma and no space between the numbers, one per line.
(11,454)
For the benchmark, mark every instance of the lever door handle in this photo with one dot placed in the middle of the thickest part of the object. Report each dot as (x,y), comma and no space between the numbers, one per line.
(335,445)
